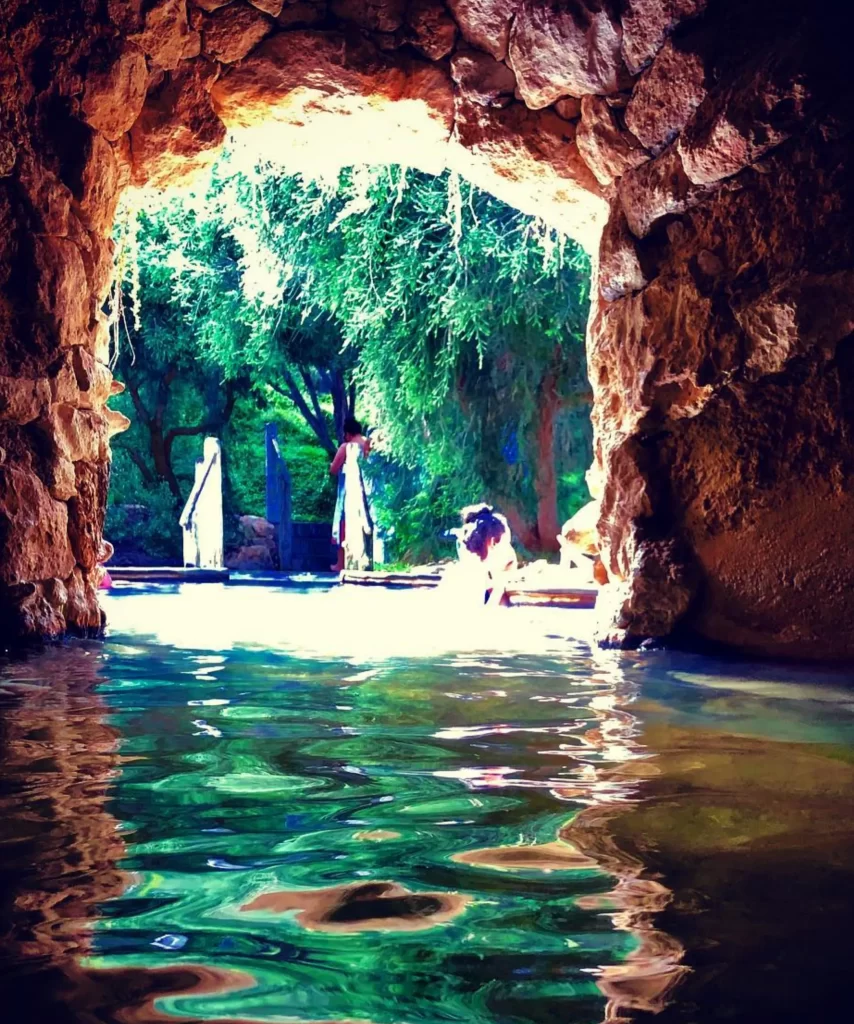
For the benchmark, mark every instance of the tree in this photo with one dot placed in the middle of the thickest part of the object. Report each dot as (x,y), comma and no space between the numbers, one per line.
(466,317)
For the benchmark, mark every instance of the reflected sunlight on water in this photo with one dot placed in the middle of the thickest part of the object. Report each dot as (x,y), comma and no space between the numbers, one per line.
(261,805)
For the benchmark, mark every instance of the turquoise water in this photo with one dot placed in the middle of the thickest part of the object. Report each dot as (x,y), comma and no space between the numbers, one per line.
(260,805)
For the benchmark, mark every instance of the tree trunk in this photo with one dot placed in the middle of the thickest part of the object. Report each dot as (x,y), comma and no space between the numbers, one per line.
(545,479)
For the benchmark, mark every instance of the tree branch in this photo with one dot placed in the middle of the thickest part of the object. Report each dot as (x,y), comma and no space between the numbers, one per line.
(139,462)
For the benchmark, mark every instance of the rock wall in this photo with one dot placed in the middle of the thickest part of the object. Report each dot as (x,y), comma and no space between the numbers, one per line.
(700,145)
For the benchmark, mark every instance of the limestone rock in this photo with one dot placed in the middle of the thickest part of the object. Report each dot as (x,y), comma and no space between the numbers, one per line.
(75,434)
(36,527)
(36,616)
(211,5)
(62,289)
(303,14)
(483,80)
(23,400)
(316,84)
(656,189)
(86,512)
(166,33)
(666,96)
(114,91)
(762,107)
(271,7)
(567,195)
(250,557)
(81,609)
(50,197)
(98,188)
(231,32)
(178,130)
(798,315)
(569,108)
(61,478)
(8,156)
(608,149)
(619,267)
(432,30)
(485,23)
(571,51)
(373,15)
(647,23)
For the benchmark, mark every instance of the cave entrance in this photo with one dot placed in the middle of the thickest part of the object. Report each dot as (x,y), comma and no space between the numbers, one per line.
(278,285)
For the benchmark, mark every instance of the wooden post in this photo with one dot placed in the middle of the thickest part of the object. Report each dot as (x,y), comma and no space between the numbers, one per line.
(279,496)
(284,531)
(271,437)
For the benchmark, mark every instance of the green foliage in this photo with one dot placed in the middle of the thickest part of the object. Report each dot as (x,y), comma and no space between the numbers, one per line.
(458,321)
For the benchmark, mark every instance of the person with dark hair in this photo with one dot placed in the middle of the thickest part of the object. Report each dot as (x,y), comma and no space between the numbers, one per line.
(485,550)
(352,522)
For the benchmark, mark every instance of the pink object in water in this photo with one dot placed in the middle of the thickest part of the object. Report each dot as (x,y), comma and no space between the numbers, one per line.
(106,582)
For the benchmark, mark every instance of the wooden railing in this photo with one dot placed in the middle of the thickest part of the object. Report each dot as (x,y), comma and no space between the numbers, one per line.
(201,519)
(279,496)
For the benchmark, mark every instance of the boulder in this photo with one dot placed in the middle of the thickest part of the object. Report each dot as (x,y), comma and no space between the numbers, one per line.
(657,188)
(23,400)
(666,96)
(114,91)
(178,130)
(249,557)
(231,32)
(619,269)
(62,291)
(86,512)
(97,192)
(482,79)
(569,108)
(432,30)
(739,122)
(565,51)
(607,148)
(255,527)
(485,23)
(271,7)
(166,34)
(647,23)
(36,528)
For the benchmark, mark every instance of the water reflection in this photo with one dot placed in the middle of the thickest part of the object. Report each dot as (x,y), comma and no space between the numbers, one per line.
(550,835)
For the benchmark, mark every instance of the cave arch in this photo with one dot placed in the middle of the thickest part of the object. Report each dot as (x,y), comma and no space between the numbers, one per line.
(700,148)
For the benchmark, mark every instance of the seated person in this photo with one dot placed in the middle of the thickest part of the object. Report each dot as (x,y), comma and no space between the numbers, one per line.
(485,551)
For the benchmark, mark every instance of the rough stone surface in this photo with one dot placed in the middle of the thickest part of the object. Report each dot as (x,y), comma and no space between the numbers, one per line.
(231,32)
(178,130)
(737,123)
(647,23)
(565,51)
(657,188)
(482,79)
(271,7)
(373,15)
(569,108)
(39,524)
(432,30)
(166,34)
(666,96)
(619,271)
(485,23)
(608,149)
(115,91)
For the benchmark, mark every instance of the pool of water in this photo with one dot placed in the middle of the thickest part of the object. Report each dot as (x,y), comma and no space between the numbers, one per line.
(347,806)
